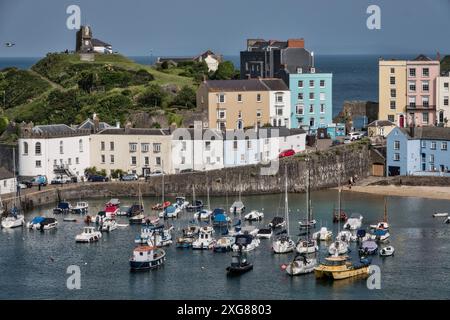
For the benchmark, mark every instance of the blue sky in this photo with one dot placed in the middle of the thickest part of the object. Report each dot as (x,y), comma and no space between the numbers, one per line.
(187,27)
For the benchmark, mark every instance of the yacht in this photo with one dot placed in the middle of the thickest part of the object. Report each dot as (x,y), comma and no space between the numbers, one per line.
(301,264)
(62,207)
(277,222)
(238,206)
(254,215)
(171,211)
(307,246)
(203,214)
(81,207)
(205,239)
(108,225)
(224,244)
(265,233)
(245,242)
(13,220)
(323,234)
(146,257)
(89,234)
(338,247)
(182,202)
(354,222)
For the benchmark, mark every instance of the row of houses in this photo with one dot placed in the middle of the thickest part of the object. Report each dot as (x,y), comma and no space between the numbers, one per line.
(54,150)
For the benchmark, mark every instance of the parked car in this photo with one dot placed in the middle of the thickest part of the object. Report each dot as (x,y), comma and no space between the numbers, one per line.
(39,180)
(129,177)
(97,178)
(347,140)
(27,183)
(61,180)
(286,153)
(355,135)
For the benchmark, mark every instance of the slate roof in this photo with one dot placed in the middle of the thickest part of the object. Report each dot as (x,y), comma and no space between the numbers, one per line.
(53,129)
(89,124)
(246,85)
(422,57)
(428,133)
(99,43)
(381,123)
(268,132)
(136,131)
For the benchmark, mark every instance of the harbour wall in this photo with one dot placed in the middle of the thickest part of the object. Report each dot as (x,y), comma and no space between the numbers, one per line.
(327,169)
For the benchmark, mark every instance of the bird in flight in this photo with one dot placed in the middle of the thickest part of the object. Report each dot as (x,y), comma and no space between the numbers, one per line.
(9,44)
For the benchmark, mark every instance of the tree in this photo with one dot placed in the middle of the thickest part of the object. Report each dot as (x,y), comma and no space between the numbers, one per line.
(186,97)
(86,81)
(225,71)
(3,123)
(153,96)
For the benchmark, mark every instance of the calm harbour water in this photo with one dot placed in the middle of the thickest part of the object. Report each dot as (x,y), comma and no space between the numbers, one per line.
(33,264)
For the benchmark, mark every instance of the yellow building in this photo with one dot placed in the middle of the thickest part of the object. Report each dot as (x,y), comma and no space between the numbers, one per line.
(392,91)
(237,104)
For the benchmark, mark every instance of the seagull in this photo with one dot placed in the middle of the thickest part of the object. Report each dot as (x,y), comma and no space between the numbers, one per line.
(9,44)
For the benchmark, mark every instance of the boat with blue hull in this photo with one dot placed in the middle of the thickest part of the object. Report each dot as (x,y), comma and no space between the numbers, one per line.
(146,258)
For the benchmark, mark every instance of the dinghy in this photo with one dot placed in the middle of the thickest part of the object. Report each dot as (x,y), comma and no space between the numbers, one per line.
(387,251)
(254,215)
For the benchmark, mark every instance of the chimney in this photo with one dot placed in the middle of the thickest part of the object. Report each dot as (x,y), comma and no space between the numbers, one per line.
(118,124)
(296,43)
(96,120)
(128,126)
(198,125)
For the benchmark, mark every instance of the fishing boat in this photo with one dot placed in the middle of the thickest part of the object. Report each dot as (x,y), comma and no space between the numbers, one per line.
(387,251)
(254,215)
(323,234)
(205,239)
(338,268)
(368,247)
(184,242)
(239,263)
(147,257)
(224,244)
(111,211)
(238,206)
(62,207)
(440,214)
(277,222)
(13,220)
(220,218)
(338,247)
(354,222)
(246,242)
(182,202)
(88,235)
(81,207)
(108,225)
(264,233)
(42,223)
(301,264)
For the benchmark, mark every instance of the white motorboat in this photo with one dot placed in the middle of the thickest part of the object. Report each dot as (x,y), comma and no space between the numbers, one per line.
(237,207)
(81,207)
(204,214)
(323,234)
(205,239)
(303,224)
(354,222)
(89,234)
(440,214)
(224,244)
(245,242)
(182,202)
(301,265)
(108,225)
(380,235)
(251,230)
(137,219)
(307,246)
(338,247)
(265,233)
(254,215)
(147,257)
(277,222)
(191,231)
(13,220)
(171,211)
(345,236)
(123,210)
(42,223)
(387,251)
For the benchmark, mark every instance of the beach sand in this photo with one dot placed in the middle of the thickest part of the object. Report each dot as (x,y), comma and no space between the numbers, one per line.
(431,192)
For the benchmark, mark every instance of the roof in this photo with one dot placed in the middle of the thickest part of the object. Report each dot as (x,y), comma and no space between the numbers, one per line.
(381,123)
(99,43)
(136,131)
(422,57)
(246,85)
(143,248)
(89,124)
(5,174)
(53,129)
(269,132)
(428,133)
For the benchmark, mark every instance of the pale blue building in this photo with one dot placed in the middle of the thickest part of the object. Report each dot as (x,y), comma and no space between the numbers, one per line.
(311,100)
(418,151)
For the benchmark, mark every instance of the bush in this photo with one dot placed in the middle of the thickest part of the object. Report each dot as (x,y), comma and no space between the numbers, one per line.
(3,123)
(153,96)
(225,71)
(116,174)
(186,97)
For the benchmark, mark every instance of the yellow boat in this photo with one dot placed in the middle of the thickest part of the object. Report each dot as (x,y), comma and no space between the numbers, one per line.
(337,268)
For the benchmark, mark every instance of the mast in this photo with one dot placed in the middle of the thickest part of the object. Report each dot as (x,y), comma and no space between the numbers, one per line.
(307,207)
(15,178)
(162,181)
(240,187)
(207,194)
(286,209)
(339,209)
(385,210)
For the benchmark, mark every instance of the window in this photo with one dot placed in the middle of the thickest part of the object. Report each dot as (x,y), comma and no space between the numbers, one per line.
(322,108)
(431,158)
(38,164)
(433,145)
(322,96)
(444,146)
(393,93)
(258,97)
(258,113)
(311,108)
(235,144)
(103,158)
(396,156)
(412,102)
(425,72)
(425,117)
(393,105)
(69,161)
(207,145)
(392,80)
(424,144)
(391,118)
(239,124)
(77,160)
(322,83)
(311,83)
(249,143)
(279,97)
(133,147)
(426,101)
(445,101)
(311,122)
(239,97)
(80,145)
(133,160)
(412,72)
(412,86)
(300,83)
(102,146)
(445,86)
(300,96)
(25,148)
(111,145)
(279,111)
(145,147)
(208,160)
(311,96)
(239,114)
(425,86)
(221,98)
(300,109)
(61,147)
(396,145)
(392,70)
(158,161)
(242,157)
(146,161)
(221,114)
(156,147)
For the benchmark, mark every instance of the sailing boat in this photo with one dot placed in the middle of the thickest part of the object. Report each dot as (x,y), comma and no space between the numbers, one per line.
(307,245)
(138,216)
(238,206)
(381,229)
(339,246)
(204,214)
(284,244)
(339,214)
(196,205)
(164,204)
(14,219)
(309,222)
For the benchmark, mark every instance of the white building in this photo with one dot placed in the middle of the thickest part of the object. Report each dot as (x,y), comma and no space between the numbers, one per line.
(101,47)
(442,100)
(53,150)
(280,108)
(211,59)
(7,181)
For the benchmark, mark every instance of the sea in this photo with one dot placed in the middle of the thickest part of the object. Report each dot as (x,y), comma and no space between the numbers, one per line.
(36,265)
(355,77)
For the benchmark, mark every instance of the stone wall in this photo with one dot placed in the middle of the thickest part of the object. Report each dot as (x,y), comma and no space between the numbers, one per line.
(6,156)
(327,169)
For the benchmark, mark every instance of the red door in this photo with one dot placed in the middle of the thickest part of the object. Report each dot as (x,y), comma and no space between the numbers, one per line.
(402,121)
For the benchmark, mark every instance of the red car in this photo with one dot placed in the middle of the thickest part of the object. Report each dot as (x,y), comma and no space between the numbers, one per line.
(286,153)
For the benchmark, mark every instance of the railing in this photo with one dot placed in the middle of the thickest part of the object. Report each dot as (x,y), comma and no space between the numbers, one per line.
(420,107)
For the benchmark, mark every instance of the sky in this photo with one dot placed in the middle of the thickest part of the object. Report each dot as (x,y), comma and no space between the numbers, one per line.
(189,27)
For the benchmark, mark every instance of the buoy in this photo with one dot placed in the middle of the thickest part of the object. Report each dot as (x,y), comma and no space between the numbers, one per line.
(283,267)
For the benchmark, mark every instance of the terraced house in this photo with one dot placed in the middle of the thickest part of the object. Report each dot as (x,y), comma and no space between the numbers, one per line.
(237,104)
